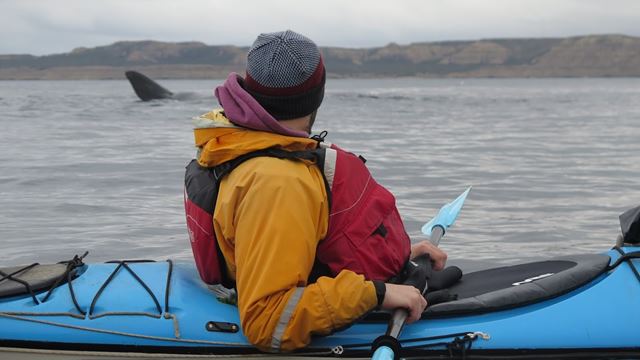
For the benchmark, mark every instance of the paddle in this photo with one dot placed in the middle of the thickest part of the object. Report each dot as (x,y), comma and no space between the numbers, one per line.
(387,347)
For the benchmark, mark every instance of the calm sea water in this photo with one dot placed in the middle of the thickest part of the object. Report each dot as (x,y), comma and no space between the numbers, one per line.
(84,165)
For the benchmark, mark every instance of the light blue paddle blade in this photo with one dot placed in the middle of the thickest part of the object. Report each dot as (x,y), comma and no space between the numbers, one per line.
(447,214)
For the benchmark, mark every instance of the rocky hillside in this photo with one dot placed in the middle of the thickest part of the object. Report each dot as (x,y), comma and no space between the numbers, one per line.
(596,56)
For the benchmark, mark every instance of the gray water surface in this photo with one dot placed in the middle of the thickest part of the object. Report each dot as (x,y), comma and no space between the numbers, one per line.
(84,165)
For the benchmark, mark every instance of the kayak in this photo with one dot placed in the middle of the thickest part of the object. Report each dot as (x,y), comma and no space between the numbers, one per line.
(573,306)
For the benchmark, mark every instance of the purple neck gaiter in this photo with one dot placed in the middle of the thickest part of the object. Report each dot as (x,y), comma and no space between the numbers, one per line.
(243,110)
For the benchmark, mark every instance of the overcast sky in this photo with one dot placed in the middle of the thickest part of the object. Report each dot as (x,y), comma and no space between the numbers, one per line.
(54,26)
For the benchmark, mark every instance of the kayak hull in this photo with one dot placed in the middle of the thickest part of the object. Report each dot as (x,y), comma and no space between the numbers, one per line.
(161,309)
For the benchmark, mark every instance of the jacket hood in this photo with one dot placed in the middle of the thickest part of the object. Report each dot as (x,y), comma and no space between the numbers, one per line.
(219,140)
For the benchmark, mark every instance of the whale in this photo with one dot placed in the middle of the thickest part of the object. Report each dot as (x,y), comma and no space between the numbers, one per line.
(147,89)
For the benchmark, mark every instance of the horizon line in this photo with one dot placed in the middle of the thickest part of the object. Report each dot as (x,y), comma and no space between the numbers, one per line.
(340,47)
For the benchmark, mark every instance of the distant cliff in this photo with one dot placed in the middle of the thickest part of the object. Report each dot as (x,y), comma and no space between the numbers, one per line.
(585,56)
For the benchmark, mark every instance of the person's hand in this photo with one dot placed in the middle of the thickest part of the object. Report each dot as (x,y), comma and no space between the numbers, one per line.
(407,297)
(438,257)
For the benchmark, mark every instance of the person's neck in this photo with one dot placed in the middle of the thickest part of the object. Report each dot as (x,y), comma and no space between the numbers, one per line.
(301,123)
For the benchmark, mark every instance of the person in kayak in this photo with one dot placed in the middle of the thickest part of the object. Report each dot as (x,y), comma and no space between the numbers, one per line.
(299,227)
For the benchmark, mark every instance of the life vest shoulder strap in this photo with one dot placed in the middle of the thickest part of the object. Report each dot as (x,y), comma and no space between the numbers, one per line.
(225,168)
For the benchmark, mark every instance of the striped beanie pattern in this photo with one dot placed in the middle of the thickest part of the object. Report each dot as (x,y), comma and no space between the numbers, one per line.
(285,74)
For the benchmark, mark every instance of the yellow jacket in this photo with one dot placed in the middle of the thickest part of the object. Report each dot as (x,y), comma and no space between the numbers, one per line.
(269,217)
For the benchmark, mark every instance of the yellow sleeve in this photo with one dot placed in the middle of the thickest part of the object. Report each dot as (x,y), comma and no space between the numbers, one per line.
(281,213)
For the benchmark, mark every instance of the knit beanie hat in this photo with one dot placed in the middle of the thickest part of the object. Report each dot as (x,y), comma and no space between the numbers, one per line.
(285,74)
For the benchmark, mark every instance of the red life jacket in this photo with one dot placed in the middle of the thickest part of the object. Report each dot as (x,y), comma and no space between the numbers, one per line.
(365,234)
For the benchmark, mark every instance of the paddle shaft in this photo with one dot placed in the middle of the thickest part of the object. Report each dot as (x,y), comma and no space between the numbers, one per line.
(436,234)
